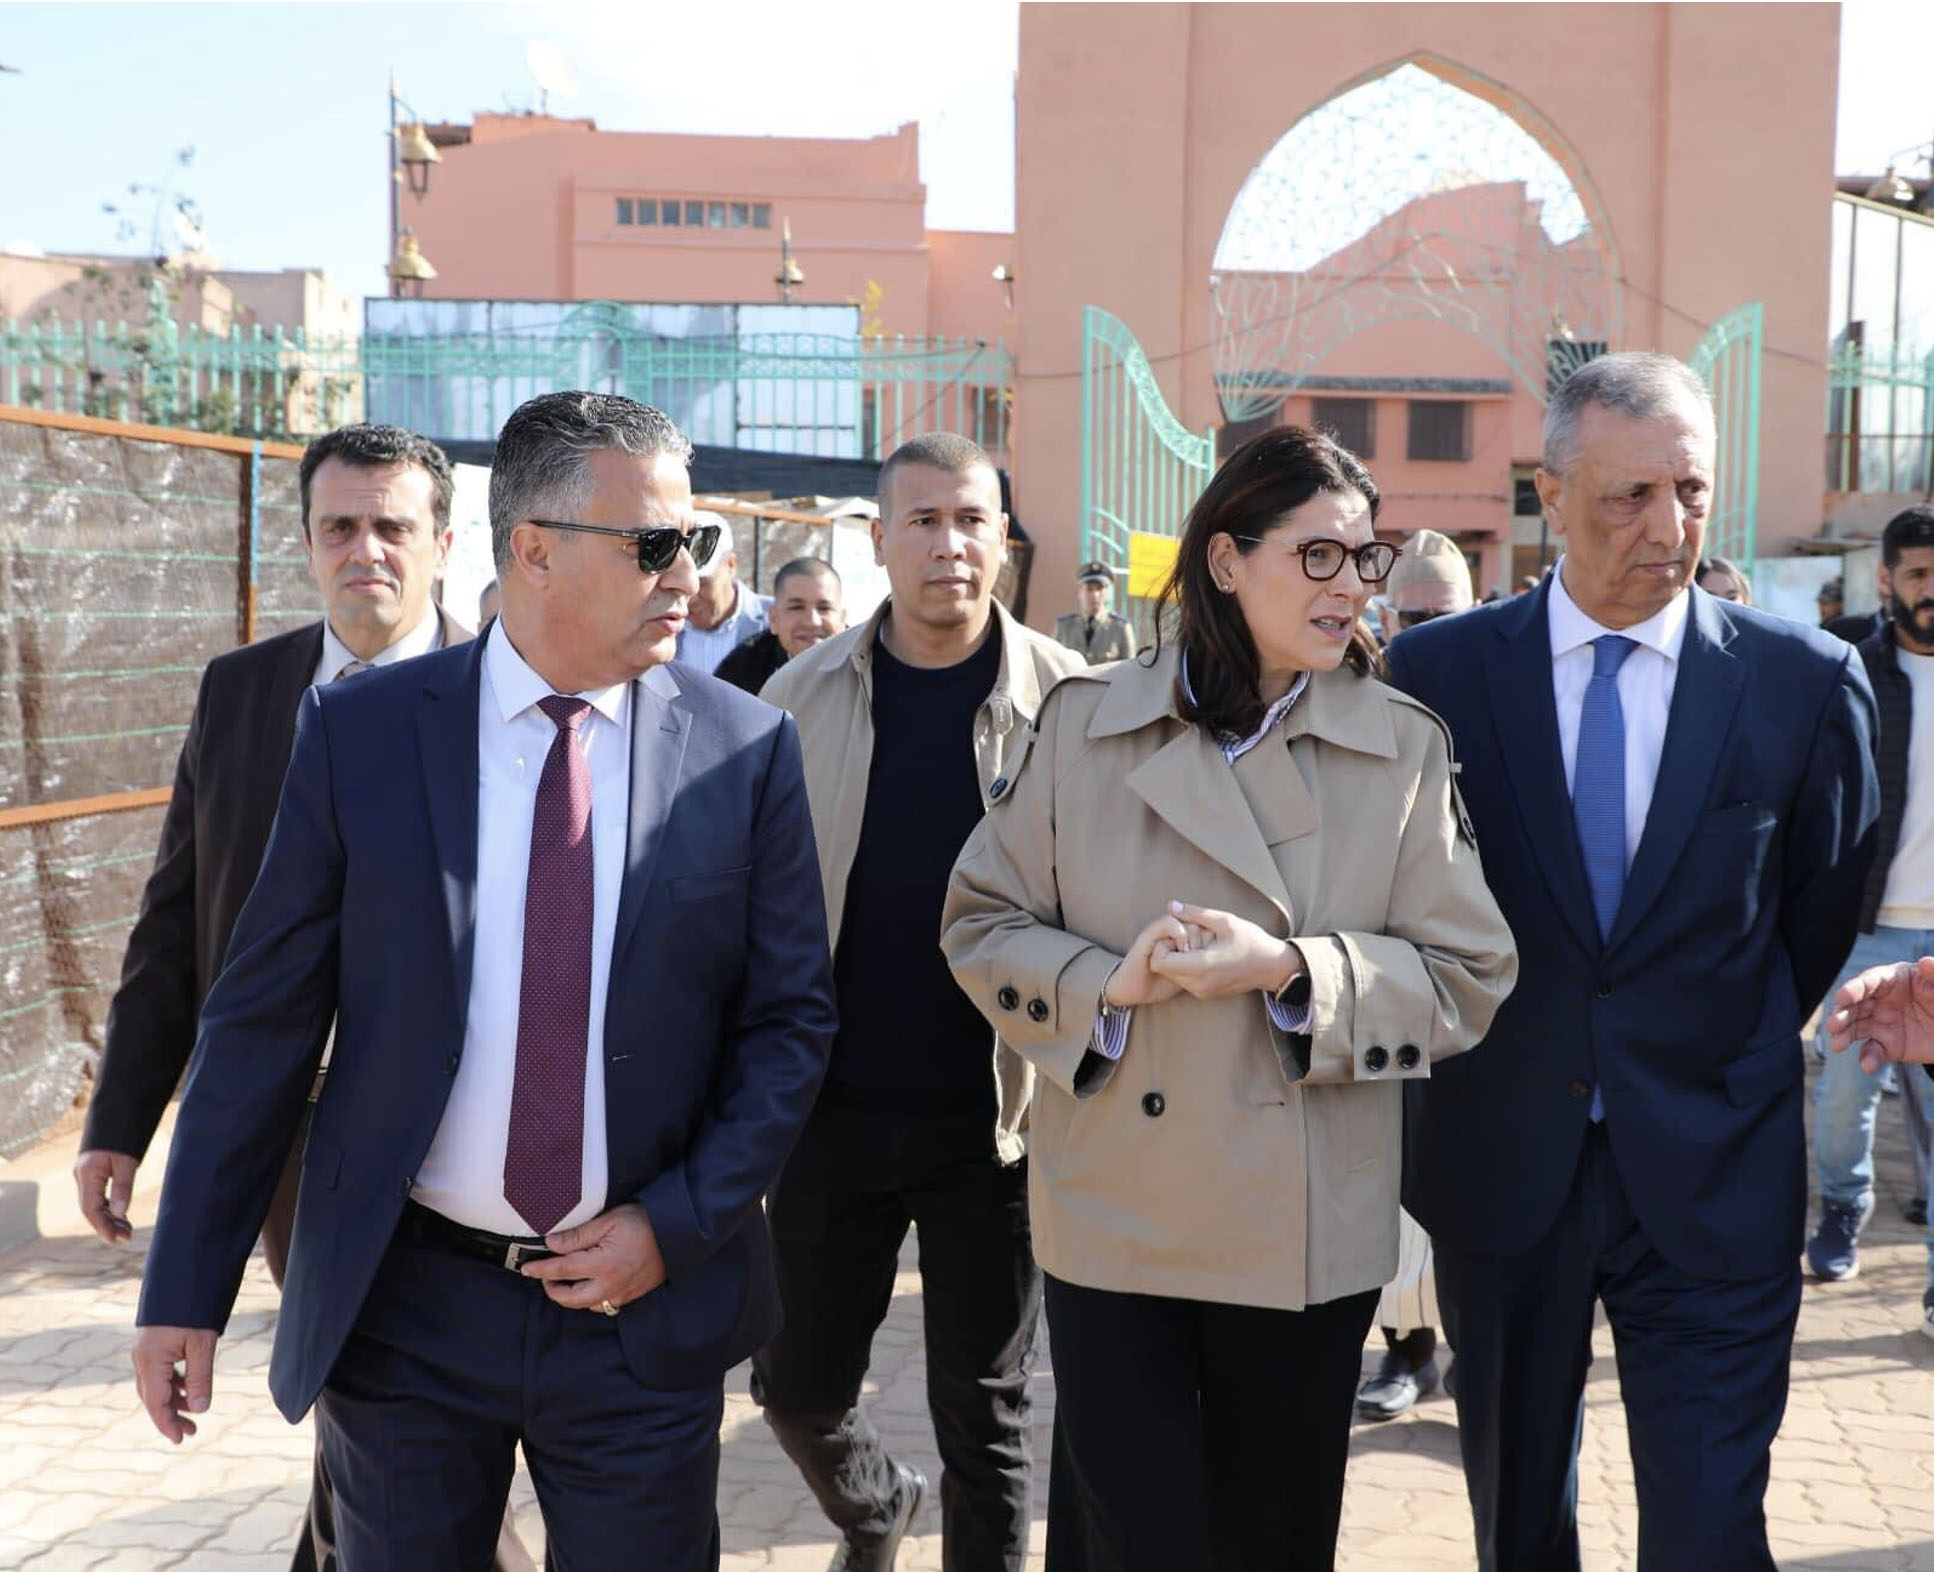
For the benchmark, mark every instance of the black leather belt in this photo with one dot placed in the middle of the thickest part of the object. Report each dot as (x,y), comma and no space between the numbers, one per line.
(433,1228)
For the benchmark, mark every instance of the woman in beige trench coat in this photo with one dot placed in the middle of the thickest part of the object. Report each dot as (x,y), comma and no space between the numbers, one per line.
(1225,904)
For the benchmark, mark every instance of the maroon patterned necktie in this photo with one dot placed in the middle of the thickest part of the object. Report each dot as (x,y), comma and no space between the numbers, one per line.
(544,1158)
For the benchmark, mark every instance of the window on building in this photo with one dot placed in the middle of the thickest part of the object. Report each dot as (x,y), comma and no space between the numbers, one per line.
(715,215)
(1352,421)
(668,214)
(624,210)
(647,211)
(762,215)
(695,215)
(741,215)
(1440,431)
(1525,503)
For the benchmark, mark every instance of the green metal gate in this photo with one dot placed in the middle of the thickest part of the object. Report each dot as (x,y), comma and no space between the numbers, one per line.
(1728,357)
(1141,468)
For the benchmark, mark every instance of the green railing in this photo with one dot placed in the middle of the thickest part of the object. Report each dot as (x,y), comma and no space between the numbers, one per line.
(1141,468)
(1880,419)
(840,396)
(1728,357)
(243,383)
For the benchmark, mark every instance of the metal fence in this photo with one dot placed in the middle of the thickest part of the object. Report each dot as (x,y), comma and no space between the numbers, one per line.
(1880,419)
(844,396)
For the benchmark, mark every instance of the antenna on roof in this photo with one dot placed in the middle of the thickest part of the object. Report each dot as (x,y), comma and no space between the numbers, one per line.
(553,71)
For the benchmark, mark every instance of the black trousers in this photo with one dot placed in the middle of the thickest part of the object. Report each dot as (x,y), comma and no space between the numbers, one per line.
(1196,1437)
(1702,1368)
(839,1213)
(452,1363)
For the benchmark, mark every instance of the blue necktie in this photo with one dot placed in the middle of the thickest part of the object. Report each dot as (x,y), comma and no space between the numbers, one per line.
(1598,780)
(1598,791)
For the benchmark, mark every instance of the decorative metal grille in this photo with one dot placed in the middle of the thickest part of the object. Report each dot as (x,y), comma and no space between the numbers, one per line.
(1408,197)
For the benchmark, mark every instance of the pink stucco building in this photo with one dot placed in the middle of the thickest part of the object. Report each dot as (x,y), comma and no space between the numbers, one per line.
(533,207)
(1696,139)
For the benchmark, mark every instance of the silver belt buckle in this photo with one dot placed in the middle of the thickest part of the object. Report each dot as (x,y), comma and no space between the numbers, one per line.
(516,1255)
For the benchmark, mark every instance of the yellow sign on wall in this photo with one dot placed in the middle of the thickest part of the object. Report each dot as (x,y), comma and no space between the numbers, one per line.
(1150,557)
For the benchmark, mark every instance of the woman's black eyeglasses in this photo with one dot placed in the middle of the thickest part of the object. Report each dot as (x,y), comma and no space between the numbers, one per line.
(656,547)
(1323,559)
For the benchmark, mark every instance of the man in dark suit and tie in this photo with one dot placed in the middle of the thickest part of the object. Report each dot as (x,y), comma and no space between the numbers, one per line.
(562,903)
(1675,799)
(376,527)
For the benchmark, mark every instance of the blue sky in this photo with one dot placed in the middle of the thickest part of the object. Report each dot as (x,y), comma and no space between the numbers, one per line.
(285,104)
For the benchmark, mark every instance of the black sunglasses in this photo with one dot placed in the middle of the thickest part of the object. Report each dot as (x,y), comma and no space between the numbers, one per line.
(656,547)
(1413,619)
(1323,559)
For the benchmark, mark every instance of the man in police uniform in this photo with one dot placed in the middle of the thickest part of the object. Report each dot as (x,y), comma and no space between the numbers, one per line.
(1094,631)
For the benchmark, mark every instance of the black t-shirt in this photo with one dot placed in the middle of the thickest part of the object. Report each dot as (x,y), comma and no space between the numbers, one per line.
(909,1041)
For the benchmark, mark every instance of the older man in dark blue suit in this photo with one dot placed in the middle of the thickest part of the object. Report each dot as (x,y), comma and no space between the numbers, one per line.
(1675,798)
(562,903)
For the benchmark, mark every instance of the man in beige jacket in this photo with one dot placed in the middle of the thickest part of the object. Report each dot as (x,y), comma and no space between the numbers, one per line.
(905,723)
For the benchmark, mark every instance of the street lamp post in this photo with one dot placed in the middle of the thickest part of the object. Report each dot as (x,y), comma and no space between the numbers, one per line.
(1896,188)
(411,153)
(790,276)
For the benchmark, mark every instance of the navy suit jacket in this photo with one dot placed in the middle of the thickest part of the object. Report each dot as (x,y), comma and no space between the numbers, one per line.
(1740,907)
(717,1027)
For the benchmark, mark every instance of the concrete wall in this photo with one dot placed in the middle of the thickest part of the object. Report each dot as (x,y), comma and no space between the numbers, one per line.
(1701,134)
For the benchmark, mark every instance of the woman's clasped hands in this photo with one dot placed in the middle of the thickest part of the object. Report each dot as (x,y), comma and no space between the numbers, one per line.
(1200,951)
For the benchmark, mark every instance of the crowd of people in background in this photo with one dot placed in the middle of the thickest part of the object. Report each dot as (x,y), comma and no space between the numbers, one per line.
(1226,982)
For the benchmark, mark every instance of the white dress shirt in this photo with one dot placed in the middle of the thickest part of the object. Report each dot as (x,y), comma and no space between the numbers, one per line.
(1645,684)
(420,640)
(463,1175)
(703,648)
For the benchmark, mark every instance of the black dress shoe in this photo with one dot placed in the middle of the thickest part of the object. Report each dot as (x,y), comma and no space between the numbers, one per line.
(1915,1211)
(875,1552)
(1395,1387)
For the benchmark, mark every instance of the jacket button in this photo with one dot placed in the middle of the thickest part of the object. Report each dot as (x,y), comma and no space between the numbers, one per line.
(1580,1089)
(1604,990)
(451,1066)
(1409,1057)
(1008,999)
(1376,1060)
(1037,1009)
(407,1184)
(1154,1105)
(994,792)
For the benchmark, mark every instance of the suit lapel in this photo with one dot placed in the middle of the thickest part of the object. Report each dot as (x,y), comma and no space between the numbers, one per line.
(446,735)
(1525,713)
(1194,791)
(660,730)
(292,679)
(1705,696)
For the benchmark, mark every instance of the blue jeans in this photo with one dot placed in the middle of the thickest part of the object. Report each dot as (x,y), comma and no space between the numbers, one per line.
(1847,1098)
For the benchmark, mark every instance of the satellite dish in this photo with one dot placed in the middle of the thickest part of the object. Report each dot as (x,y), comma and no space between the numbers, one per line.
(552,69)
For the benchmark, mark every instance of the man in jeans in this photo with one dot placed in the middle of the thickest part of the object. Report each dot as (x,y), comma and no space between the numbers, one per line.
(1897,920)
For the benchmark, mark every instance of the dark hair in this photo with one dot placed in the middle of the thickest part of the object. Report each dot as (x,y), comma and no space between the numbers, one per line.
(1911,528)
(380,447)
(540,470)
(1257,487)
(801,566)
(942,450)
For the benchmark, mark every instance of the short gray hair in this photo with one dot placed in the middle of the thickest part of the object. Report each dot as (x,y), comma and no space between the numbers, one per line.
(1634,382)
(540,469)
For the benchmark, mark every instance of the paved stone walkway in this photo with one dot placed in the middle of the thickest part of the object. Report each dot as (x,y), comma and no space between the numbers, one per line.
(86,1485)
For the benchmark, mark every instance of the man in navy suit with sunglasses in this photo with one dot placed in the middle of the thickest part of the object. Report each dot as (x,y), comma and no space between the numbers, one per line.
(561,900)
